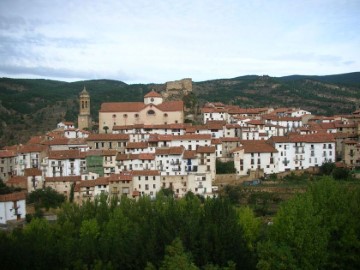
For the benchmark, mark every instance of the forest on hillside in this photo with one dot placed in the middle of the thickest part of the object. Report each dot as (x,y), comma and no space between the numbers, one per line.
(318,229)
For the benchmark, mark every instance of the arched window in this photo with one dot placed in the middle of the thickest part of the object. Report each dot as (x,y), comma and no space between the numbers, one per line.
(86,104)
(114,115)
(136,115)
(151,112)
(82,105)
(165,115)
(125,115)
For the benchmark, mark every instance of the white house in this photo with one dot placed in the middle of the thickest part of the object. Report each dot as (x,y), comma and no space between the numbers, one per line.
(255,156)
(64,163)
(304,151)
(12,207)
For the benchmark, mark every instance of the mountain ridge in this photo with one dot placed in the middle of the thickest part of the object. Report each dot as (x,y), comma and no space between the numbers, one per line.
(34,106)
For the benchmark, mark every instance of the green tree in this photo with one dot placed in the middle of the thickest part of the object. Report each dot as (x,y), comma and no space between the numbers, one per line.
(46,198)
(250,226)
(176,258)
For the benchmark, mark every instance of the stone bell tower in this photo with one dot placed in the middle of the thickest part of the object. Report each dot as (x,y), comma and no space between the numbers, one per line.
(84,118)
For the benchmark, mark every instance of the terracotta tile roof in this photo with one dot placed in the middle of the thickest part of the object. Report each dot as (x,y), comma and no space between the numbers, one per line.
(16,196)
(7,153)
(205,149)
(108,137)
(152,93)
(96,182)
(255,122)
(109,152)
(230,139)
(169,151)
(188,154)
(279,139)
(94,153)
(77,141)
(32,172)
(167,106)
(124,176)
(146,156)
(63,179)
(66,154)
(136,145)
(313,138)
(192,137)
(122,107)
(257,146)
(57,141)
(215,141)
(36,140)
(229,126)
(17,180)
(32,148)
(213,110)
(145,173)
(171,106)
(307,138)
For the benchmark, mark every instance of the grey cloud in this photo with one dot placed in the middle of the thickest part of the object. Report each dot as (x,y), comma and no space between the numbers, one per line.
(61,73)
(10,23)
(312,57)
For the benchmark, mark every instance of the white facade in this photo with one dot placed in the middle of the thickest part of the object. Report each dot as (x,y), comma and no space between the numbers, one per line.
(12,207)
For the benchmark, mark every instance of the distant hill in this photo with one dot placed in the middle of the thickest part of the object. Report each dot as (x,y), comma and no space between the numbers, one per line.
(31,107)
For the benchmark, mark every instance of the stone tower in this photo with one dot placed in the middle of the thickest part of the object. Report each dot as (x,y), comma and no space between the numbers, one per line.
(84,118)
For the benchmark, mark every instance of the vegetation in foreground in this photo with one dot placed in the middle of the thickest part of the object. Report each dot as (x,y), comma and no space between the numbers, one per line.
(318,229)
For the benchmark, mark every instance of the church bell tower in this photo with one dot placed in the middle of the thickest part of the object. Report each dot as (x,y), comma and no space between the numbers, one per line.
(84,118)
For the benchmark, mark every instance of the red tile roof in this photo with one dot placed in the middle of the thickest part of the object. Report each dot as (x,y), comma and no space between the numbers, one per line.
(188,154)
(256,146)
(16,196)
(205,149)
(32,172)
(169,151)
(230,139)
(168,106)
(124,176)
(66,154)
(31,148)
(7,153)
(192,137)
(136,145)
(152,93)
(17,181)
(145,173)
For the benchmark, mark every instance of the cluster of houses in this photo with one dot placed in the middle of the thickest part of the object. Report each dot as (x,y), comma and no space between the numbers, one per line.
(142,147)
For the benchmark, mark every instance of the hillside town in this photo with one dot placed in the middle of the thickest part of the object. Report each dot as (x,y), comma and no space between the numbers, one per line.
(143,147)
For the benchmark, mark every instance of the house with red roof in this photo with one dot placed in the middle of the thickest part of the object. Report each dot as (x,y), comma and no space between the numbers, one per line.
(153,111)
(12,207)
(255,156)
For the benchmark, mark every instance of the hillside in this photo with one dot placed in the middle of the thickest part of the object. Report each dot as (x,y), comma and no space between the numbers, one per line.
(30,107)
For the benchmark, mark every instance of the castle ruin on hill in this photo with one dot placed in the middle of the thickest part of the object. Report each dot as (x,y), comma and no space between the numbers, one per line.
(174,89)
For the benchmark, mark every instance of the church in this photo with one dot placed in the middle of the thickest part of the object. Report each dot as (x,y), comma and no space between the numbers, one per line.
(153,111)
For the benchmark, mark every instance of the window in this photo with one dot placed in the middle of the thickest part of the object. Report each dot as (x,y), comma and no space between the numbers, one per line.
(136,115)
(114,116)
(165,115)
(151,112)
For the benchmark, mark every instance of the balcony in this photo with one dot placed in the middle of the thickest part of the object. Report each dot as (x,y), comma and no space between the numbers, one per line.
(175,162)
(176,169)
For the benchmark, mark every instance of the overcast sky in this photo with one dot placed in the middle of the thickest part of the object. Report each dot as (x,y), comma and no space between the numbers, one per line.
(157,41)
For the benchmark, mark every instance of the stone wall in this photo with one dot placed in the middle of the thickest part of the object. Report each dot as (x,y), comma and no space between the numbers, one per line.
(184,85)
